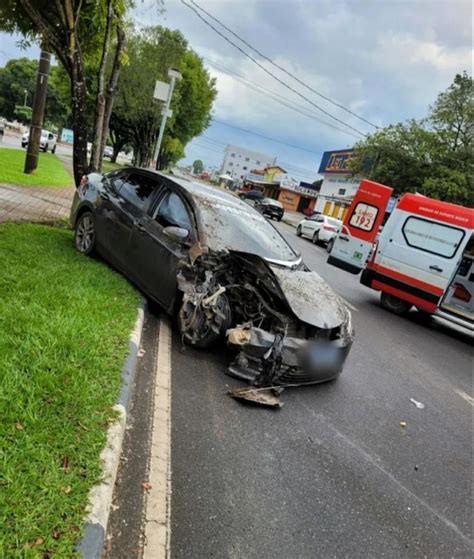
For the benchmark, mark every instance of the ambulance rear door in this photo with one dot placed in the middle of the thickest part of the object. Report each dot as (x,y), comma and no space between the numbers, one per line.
(361,225)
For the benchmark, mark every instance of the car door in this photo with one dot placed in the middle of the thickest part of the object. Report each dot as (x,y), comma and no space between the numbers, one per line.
(360,227)
(312,224)
(123,201)
(155,254)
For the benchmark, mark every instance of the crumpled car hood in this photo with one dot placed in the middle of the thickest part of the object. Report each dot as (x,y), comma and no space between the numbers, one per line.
(311,299)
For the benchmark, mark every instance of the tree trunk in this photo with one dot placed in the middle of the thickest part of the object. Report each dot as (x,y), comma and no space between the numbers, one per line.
(39,102)
(117,149)
(112,86)
(78,94)
(97,150)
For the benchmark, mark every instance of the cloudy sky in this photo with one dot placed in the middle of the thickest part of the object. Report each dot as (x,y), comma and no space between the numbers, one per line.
(386,61)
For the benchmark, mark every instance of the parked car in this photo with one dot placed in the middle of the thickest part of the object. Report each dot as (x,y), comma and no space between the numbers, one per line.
(319,228)
(271,208)
(252,195)
(47,141)
(221,267)
(108,152)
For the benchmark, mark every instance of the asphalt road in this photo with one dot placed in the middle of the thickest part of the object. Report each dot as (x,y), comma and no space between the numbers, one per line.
(333,473)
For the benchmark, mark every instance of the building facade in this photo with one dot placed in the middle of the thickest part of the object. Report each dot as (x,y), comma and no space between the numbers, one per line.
(339,186)
(239,162)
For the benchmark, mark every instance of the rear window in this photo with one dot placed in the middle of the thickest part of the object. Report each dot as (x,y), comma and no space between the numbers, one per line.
(363,217)
(429,236)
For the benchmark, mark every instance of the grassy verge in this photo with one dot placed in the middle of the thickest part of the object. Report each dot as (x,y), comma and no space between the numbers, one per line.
(65,321)
(50,171)
(109,166)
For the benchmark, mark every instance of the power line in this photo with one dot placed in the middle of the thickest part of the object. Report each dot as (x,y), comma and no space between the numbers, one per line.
(301,109)
(274,76)
(284,70)
(263,136)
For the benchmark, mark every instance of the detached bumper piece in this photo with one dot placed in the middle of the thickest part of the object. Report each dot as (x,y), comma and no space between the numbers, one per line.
(268,360)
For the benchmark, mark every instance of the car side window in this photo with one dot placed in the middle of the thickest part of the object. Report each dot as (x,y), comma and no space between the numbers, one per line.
(317,218)
(172,211)
(135,188)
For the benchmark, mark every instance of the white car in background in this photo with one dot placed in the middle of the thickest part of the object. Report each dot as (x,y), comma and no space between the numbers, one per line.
(320,229)
(47,141)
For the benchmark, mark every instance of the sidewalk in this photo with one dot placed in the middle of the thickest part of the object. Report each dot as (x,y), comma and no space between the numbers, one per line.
(34,203)
(39,204)
(292,218)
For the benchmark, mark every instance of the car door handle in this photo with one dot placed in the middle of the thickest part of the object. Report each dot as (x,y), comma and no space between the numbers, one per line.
(436,268)
(139,225)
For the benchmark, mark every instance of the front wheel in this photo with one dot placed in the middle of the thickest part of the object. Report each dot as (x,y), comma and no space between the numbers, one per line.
(201,326)
(394,304)
(316,237)
(298,231)
(330,245)
(84,234)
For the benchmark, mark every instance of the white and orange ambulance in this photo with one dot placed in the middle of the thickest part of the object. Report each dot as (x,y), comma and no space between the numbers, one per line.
(423,257)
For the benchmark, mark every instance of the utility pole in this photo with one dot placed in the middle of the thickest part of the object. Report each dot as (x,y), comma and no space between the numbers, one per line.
(26,96)
(174,75)
(39,102)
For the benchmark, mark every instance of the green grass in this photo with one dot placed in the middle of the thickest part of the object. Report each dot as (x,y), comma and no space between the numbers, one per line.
(50,171)
(108,166)
(65,321)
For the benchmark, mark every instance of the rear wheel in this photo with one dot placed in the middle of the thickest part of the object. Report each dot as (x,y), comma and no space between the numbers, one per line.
(316,237)
(298,231)
(330,245)
(394,304)
(84,236)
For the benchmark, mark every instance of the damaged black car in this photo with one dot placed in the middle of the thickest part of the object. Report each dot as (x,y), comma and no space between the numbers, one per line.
(221,268)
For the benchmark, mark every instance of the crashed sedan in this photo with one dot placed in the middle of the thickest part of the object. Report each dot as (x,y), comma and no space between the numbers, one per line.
(221,268)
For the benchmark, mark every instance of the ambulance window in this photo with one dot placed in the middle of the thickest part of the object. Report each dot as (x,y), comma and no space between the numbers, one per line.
(364,216)
(432,237)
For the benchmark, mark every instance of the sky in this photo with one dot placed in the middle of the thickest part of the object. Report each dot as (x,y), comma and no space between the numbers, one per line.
(386,61)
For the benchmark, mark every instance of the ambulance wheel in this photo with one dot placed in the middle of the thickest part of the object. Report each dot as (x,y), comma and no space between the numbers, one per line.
(329,245)
(394,304)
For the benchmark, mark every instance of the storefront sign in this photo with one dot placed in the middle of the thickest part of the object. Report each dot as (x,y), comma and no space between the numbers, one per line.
(336,162)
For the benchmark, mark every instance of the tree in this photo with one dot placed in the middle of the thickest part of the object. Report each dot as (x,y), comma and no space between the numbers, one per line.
(136,116)
(198,167)
(75,31)
(431,156)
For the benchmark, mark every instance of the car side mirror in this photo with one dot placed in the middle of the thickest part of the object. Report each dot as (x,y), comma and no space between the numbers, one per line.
(178,234)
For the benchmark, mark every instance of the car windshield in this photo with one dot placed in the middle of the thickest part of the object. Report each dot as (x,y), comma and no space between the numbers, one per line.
(234,226)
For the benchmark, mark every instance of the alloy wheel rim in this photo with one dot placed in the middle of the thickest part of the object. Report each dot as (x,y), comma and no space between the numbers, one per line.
(85,234)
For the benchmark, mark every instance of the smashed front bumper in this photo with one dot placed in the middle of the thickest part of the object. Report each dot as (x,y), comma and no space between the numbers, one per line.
(267,359)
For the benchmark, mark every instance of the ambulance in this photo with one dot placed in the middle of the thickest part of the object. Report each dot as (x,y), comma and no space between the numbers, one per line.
(422,257)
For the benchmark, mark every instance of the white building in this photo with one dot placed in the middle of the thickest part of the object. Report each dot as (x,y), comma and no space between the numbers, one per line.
(238,161)
(339,186)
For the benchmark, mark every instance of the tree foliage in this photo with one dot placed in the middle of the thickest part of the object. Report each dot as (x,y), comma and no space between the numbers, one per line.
(18,76)
(137,116)
(432,156)
(198,166)
(76,31)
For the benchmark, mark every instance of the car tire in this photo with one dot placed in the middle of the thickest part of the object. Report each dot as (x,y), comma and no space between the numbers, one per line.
(84,234)
(45,149)
(195,332)
(329,245)
(315,238)
(279,218)
(298,231)
(394,304)
(53,150)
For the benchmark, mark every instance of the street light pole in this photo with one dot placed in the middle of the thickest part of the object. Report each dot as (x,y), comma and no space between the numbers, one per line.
(174,75)
(26,96)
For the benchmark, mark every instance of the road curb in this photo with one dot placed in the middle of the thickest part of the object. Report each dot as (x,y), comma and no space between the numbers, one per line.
(100,497)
